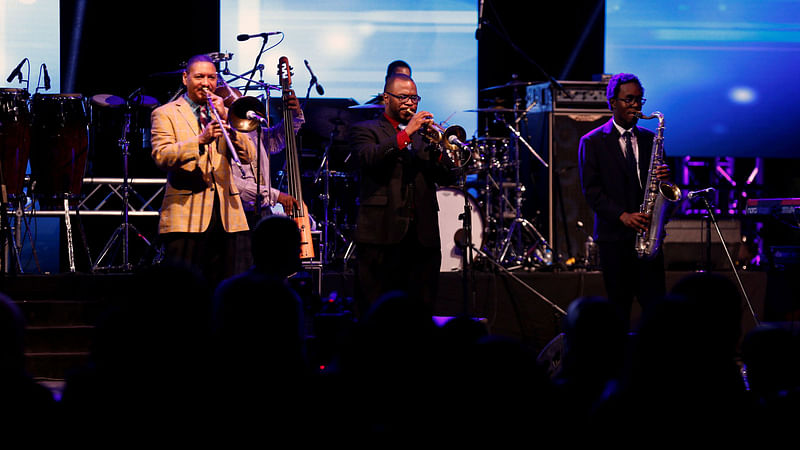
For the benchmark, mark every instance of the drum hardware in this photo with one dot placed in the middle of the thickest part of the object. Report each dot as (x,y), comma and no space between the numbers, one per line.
(7,241)
(324,174)
(123,231)
(509,243)
(510,84)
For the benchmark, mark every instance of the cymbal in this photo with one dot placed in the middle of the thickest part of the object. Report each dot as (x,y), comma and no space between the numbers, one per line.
(366,106)
(107,101)
(496,110)
(508,85)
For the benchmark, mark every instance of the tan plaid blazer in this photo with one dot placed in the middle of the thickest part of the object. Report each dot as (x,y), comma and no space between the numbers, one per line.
(195,174)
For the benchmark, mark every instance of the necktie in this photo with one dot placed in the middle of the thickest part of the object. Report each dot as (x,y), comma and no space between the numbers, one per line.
(630,158)
(203,116)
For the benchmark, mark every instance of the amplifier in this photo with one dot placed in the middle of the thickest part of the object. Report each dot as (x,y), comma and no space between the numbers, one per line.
(545,97)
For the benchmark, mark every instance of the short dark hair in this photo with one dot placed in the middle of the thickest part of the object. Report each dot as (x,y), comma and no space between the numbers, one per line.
(197,59)
(396,76)
(394,65)
(616,81)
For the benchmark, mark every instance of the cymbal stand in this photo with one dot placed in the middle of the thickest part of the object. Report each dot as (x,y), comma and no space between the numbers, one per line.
(515,231)
(123,231)
(324,174)
(513,238)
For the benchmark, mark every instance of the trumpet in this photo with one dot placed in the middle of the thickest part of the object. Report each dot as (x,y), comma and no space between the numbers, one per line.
(450,139)
(228,141)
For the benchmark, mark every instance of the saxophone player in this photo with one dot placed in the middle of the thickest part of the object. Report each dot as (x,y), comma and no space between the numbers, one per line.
(614,162)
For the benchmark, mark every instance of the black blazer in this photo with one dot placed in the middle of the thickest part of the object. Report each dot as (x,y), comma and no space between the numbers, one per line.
(396,184)
(610,189)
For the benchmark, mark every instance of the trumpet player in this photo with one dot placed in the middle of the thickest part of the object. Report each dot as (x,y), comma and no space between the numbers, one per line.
(201,212)
(397,229)
(614,162)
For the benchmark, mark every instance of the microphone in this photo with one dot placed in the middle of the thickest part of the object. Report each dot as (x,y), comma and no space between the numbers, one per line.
(320,90)
(46,78)
(453,139)
(17,72)
(693,194)
(253,116)
(244,37)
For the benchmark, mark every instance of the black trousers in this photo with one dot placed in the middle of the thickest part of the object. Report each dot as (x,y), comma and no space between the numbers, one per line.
(212,252)
(407,266)
(627,277)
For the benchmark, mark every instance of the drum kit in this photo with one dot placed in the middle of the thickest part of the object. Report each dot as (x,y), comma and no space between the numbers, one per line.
(494,192)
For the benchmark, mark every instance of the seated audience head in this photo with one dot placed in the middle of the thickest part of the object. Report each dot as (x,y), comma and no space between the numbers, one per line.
(276,246)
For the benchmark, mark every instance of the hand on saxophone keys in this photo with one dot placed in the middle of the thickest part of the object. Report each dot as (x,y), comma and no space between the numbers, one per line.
(662,172)
(638,221)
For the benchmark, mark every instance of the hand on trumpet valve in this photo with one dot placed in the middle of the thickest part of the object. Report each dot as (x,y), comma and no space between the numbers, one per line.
(419,120)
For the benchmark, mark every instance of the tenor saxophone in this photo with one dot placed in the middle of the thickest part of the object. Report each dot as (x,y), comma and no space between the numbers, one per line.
(659,197)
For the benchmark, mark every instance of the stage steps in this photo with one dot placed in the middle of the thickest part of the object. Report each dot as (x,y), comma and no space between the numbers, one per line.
(60,313)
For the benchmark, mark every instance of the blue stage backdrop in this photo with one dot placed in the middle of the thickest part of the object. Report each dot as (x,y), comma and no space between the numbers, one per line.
(30,29)
(723,72)
(349,43)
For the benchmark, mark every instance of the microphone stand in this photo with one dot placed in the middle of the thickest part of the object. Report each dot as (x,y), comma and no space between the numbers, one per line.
(465,240)
(255,66)
(713,219)
(516,278)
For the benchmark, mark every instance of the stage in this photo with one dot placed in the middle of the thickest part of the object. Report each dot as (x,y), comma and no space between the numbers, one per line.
(61,309)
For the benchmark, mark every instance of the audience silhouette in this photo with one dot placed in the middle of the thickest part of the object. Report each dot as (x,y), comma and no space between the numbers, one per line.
(234,358)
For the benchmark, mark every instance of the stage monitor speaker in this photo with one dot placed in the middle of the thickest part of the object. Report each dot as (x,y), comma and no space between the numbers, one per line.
(555,192)
(686,244)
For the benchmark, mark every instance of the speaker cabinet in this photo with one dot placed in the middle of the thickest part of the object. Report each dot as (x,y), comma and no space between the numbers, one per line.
(693,244)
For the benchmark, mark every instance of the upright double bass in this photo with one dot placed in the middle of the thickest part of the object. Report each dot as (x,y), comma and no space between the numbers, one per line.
(298,213)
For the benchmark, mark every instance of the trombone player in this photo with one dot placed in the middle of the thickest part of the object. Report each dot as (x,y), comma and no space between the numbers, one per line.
(397,229)
(202,212)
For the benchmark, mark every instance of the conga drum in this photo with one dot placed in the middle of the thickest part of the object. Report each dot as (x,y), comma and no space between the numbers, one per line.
(15,139)
(59,147)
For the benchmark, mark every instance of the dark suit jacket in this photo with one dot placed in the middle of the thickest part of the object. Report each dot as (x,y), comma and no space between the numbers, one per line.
(610,189)
(394,182)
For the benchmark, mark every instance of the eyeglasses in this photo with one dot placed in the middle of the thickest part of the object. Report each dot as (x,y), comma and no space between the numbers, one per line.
(404,98)
(629,100)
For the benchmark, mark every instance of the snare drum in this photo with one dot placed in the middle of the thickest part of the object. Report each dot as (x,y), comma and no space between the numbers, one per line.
(15,138)
(59,146)
(451,206)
